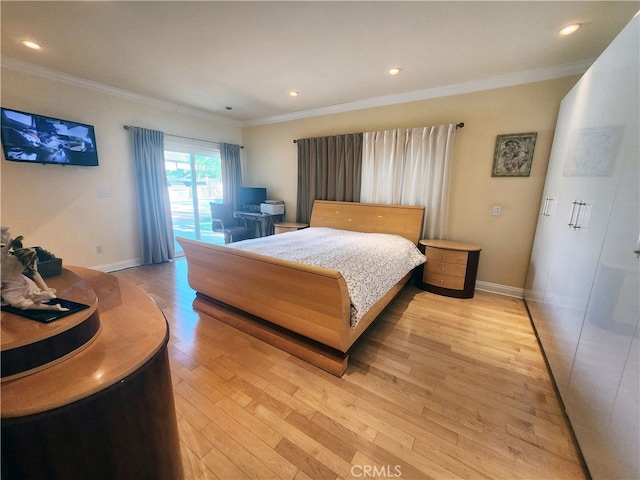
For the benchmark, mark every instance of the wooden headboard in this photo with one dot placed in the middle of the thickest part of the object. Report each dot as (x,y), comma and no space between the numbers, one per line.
(402,220)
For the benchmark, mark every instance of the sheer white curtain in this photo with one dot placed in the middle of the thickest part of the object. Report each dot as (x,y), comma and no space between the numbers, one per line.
(410,167)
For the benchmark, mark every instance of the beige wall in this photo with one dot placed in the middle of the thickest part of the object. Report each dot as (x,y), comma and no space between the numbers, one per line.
(271,161)
(57,207)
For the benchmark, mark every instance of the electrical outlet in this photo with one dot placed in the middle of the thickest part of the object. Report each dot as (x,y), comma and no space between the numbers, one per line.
(98,248)
(104,192)
(496,210)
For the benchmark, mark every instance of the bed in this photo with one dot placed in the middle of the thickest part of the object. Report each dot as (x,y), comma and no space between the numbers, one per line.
(303,309)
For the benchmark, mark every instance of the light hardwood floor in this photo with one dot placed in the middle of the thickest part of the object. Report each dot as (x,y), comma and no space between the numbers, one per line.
(438,388)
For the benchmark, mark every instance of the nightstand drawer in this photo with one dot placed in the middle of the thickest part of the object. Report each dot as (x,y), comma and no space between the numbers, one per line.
(444,281)
(442,268)
(449,256)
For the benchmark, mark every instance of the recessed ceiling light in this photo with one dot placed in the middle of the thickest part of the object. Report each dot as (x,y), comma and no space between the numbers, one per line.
(569,29)
(293,93)
(394,71)
(32,45)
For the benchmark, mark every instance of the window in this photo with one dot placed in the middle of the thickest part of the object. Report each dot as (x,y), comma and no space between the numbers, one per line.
(194,176)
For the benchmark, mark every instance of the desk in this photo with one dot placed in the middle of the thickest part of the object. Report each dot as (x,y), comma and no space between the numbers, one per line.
(262,223)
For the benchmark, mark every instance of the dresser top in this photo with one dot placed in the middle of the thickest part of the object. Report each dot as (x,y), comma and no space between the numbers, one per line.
(450,245)
(133,329)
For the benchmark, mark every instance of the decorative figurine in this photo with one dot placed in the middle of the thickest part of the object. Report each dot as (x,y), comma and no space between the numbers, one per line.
(18,290)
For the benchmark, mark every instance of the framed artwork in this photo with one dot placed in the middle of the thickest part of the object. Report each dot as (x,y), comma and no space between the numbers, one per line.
(513,155)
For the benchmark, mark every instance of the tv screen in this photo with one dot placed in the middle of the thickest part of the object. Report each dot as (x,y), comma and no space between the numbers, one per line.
(252,197)
(31,138)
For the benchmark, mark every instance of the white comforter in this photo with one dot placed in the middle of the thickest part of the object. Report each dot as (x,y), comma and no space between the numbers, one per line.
(371,263)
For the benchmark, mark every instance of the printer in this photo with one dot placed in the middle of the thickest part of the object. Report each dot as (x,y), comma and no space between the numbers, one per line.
(272,207)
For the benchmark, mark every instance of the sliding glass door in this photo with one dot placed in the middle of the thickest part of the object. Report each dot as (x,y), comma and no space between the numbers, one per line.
(194,176)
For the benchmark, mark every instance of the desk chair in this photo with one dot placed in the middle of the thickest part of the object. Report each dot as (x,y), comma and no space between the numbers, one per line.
(222,220)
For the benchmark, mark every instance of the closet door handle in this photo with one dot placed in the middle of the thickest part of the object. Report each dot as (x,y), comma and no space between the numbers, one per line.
(582,218)
(577,225)
(548,208)
(574,219)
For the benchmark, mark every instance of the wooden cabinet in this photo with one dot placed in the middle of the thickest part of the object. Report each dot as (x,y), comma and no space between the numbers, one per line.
(105,410)
(451,268)
(583,279)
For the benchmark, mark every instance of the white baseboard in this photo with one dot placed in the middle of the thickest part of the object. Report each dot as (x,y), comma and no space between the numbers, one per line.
(500,289)
(112,267)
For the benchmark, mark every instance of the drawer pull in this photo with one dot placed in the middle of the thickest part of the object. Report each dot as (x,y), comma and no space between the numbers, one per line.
(442,269)
(441,282)
(444,257)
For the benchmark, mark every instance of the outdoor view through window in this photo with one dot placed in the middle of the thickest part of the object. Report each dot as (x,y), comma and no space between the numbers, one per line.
(194,176)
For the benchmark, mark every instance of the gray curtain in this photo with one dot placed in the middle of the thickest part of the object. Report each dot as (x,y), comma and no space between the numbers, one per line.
(154,207)
(231,173)
(329,168)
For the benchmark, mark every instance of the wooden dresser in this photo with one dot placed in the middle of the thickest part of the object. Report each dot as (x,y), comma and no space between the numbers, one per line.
(451,268)
(89,395)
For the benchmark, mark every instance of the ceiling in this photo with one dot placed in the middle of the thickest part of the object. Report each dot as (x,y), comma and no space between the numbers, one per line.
(237,61)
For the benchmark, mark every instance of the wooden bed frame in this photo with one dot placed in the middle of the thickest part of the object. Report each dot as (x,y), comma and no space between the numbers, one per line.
(300,309)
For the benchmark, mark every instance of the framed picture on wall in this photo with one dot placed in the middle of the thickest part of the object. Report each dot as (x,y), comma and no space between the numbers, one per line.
(513,155)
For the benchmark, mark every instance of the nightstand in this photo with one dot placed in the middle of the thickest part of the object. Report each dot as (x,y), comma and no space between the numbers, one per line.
(282,227)
(451,268)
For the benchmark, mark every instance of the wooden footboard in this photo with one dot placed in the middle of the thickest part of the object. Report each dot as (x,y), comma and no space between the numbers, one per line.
(310,301)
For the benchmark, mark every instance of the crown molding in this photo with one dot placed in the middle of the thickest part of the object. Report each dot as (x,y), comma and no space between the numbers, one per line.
(490,83)
(54,75)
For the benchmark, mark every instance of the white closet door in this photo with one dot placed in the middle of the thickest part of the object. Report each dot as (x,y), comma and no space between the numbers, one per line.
(603,376)
(581,206)
(549,222)
(596,127)
(552,294)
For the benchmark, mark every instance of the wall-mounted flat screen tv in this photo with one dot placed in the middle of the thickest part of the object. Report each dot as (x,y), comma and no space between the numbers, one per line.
(31,138)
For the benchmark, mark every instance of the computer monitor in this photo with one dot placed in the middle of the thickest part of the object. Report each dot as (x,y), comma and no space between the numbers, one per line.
(252,197)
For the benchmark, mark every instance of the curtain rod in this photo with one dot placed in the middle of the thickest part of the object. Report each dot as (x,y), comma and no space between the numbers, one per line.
(126,127)
(458,125)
